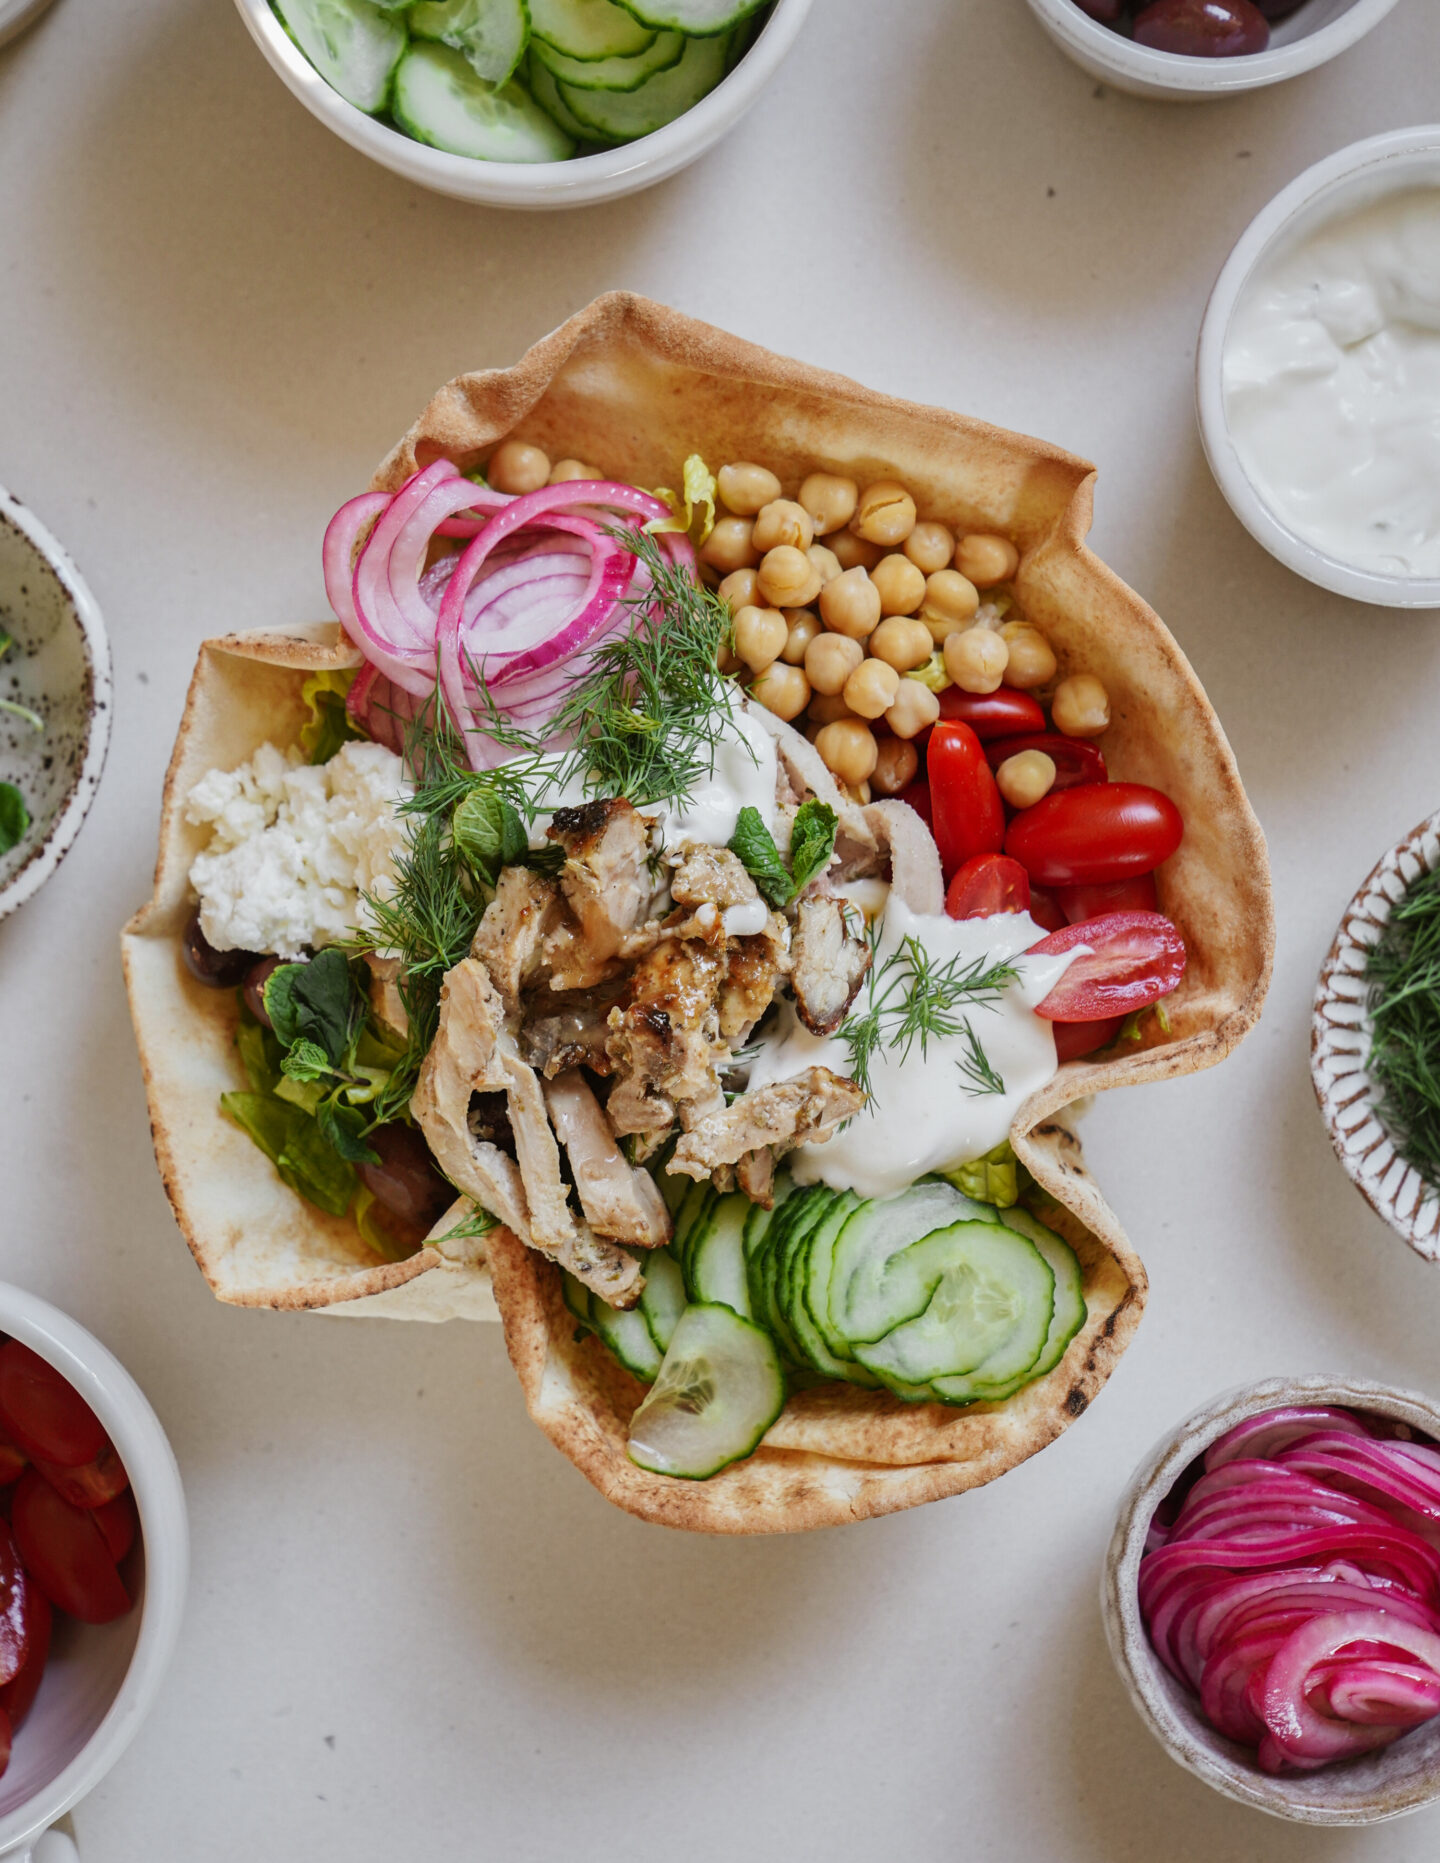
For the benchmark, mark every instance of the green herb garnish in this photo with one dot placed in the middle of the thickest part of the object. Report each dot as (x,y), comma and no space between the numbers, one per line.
(912,997)
(330,724)
(1403,972)
(14,817)
(995,1178)
(812,842)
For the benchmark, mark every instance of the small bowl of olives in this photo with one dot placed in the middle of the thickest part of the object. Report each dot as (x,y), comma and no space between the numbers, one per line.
(1190,50)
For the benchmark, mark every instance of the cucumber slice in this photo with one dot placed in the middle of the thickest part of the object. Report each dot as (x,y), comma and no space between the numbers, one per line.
(691,1221)
(577,1299)
(352,44)
(663,1299)
(719,1390)
(717,1263)
(546,93)
(864,1303)
(622,116)
(699,18)
(439,99)
(674,1188)
(759,1220)
(492,34)
(614,74)
(628,1337)
(588,29)
(808,1334)
(800,1208)
(1070,1308)
(743,37)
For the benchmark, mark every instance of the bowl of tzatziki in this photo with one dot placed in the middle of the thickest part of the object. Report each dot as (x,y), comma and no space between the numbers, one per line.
(1318,373)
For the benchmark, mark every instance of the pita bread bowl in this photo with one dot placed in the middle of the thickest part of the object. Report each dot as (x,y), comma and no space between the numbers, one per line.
(783,1109)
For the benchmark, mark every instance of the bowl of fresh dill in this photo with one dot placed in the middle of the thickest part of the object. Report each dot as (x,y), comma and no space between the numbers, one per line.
(1375,1039)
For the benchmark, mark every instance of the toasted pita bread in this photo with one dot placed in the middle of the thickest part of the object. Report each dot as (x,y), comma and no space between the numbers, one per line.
(635,388)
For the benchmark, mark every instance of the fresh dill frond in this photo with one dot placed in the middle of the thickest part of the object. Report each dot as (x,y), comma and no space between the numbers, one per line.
(976,1068)
(913,997)
(1403,972)
(476,1222)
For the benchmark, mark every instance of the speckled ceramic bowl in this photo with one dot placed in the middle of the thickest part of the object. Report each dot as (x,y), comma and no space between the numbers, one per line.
(1340,1042)
(1400,1778)
(59,668)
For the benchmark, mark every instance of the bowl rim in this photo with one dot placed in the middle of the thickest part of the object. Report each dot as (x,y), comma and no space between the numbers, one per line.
(1191,1743)
(70,817)
(577,182)
(1186,75)
(1360,162)
(149,1460)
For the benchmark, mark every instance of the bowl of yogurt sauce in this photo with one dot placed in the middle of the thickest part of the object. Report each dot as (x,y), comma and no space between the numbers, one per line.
(1318,374)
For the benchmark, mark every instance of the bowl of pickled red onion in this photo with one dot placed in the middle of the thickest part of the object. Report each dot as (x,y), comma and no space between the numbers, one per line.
(1271,1598)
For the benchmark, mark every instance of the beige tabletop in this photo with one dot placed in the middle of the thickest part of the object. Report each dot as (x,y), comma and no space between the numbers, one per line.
(414,1631)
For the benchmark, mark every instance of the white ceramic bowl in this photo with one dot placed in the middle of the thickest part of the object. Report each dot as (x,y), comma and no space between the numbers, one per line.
(1318,32)
(16,15)
(1353,178)
(59,667)
(576,183)
(1382,1785)
(101,1679)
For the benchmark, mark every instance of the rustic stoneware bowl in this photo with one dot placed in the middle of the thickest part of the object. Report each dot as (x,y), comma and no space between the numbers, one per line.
(1387,1784)
(1340,1042)
(59,667)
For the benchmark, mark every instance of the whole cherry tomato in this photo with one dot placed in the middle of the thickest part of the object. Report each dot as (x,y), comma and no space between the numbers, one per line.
(65,1552)
(93,1483)
(1045,909)
(918,796)
(969,817)
(1075,760)
(44,1414)
(119,1522)
(1203,28)
(993,714)
(1093,902)
(16,1696)
(1074,1039)
(14,1609)
(1098,833)
(1134,959)
(987,885)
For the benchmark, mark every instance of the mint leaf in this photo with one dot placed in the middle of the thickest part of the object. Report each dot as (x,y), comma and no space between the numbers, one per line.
(306,1061)
(315,1002)
(489,832)
(812,842)
(14,817)
(754,846)
(343,1128)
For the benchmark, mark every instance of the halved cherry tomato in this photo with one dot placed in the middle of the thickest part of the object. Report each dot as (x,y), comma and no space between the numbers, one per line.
(968,815)
(16,1696)
(1101,832)
(1075,760)
(93,1483)
(44,1414)
(1074,1039)
(1093,902)
(986,885)
(918,796)
(15,1586)
(993,714)
(1134,959)
(12,1461)
(65,1552)
(119,1522)
(1045,909)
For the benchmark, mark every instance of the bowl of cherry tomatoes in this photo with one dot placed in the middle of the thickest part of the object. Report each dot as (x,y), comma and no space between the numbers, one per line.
(94,1555)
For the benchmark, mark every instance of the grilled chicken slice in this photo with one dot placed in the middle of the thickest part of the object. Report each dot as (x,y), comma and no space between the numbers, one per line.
(775,1118)
(753,968)
(830,958)
(510,941)
(663,1035)
(755,1175)
(619,1202)
(914,859)
(568,1030)
(711,874)
(607,886)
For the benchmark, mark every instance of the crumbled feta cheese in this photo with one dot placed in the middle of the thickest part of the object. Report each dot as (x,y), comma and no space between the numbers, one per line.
(293,846)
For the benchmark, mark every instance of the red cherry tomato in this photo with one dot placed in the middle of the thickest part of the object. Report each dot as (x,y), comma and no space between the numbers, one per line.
(988,884)
(44,1414)
(1134,959)
(93,1483)
(12,1461)
(993,714)
(968,815)
(1075,760)
(14,1609)
(1045,909)
(65,1552)
(1101,832)
(1093,902)
(918,796)
(1074,1039)
(119,1522)
(16,1696)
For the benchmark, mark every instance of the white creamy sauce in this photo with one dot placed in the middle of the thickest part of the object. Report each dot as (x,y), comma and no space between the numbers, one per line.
(1332,385)
(746,920)
(923,1115)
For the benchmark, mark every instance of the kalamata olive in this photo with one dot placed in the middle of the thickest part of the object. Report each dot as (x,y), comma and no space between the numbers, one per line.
(407,1180)
(255,981)
(1203,28)
(221,970)
(1106,11)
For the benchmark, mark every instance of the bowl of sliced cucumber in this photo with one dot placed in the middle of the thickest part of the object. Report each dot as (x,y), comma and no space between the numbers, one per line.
(527,103)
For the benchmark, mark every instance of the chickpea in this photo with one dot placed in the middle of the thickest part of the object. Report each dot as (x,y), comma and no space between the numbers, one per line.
(516,467)
(976,659)
(950,601)
(830,659)
(896,765)
(783,521)
(852,552)
(826,562)
(885,513)
(901,585)
(870,690)
(760,636)
(829,500)
(782,689)
(857,792)
(930,548)
(746,489)
(1024,779)
(729,546)
(847,749)
(902,643)
(851,604)
(1031,662)
(740,589)
(986,560)
(566,470)
(804,627)
(1081,706)
(827,709)
(915,709)
(788,579)
(727,659)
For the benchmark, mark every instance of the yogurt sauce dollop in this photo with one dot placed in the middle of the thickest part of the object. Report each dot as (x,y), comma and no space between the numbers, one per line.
(924,1114)
(1332,385)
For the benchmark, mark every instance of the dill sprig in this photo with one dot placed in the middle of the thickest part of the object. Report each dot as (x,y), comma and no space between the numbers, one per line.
(914,997)
(976,1069)
(1403,972)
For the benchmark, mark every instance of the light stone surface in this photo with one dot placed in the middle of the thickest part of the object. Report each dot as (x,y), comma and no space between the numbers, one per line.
(414,1630)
